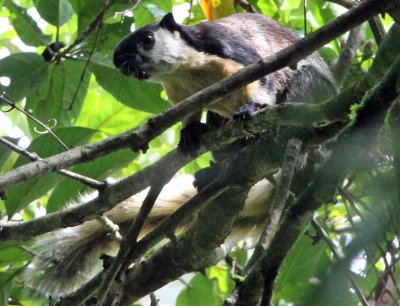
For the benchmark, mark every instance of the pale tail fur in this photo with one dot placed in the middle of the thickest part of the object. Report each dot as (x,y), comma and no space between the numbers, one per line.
(68,258)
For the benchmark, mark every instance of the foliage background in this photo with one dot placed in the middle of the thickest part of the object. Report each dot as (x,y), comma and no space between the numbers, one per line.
(91,100)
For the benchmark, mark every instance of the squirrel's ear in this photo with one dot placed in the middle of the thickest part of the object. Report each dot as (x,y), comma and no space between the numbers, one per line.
(168,22)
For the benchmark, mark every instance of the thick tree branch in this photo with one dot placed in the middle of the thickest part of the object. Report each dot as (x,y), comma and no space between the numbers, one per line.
(108,198)
(345,61)
(139,137)
(274,214)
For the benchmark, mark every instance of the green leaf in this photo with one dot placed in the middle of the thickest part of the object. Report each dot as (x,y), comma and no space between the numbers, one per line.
(27,71)
(45,145)
(112,117)
(99,169)
(5,286)
(143,17)
(129,91)
(87,11)
(63,85)
(110,35)
(13,256)
(55,12)
(6,152)
(221,274)
(27,29)
(202,291)
(301,269)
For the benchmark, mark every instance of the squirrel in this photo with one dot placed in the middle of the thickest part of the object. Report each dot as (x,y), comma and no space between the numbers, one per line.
(186,59)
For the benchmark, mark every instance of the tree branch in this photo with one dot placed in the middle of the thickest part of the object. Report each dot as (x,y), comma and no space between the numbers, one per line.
(273,216)
(344,63)
(121,261)
(375,22)
(33,157)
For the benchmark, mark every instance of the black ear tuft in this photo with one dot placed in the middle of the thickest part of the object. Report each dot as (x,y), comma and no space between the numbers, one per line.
(168,22)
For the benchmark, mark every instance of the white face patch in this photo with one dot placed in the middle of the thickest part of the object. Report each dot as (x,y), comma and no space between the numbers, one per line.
(166,53)
(263,96)
(169,52)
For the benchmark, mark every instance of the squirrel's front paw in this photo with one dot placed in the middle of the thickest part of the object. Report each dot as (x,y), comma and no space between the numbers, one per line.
(246,111)
(191,134)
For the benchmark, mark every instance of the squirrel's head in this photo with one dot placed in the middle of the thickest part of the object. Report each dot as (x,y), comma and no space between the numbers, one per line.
(151,51)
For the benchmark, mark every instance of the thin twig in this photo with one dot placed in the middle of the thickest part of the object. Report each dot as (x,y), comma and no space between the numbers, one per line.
(378,30)
(246,5)
(154,299)
(305,17)
(281,194)
(324,236)
(110,227)
(48,129)
(92,27)
(128,243)
(129,10)
(346,195)
(34,157)
(99,25)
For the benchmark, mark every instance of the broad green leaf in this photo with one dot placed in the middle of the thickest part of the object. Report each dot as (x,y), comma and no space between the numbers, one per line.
(241,256)
(13,256)
(110,36)
(26,27)
(143,17)
(225,282)
(143,96)
(101,111)
(98,169)
(301,269)
(64,85)
(87,11)
(151,11)
(6,280)
(163,5)
(202,291)
(45,145)
(27,295)
(27,71)
(55,12)
(267,7)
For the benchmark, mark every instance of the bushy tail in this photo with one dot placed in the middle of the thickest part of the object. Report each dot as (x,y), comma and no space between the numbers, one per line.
(68,258)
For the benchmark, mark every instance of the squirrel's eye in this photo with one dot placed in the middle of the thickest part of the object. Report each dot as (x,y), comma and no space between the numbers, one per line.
(148,40)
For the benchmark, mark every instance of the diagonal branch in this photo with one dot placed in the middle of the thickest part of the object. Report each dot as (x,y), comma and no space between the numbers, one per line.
(273,217)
